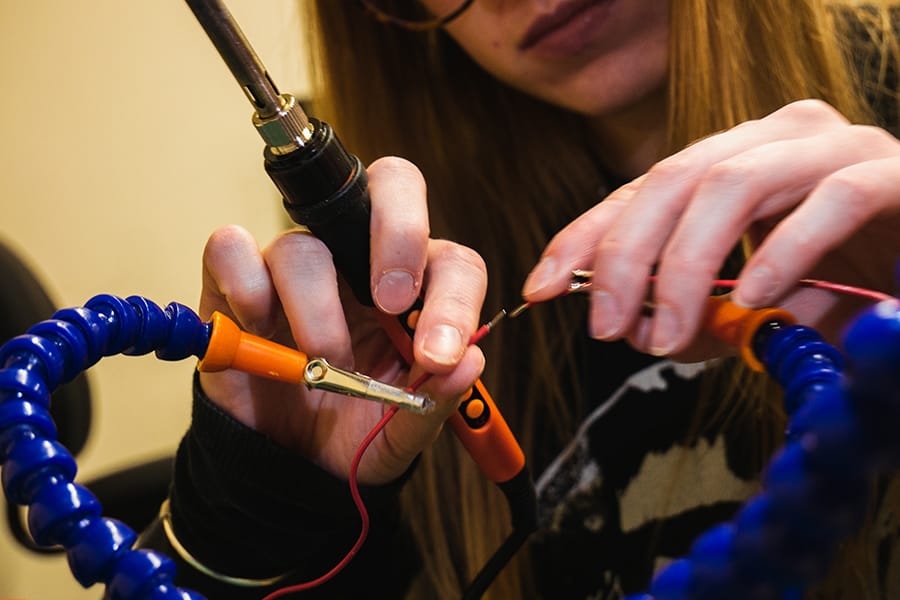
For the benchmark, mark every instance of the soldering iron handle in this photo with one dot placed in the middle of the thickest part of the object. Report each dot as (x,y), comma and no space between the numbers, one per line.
(325,188)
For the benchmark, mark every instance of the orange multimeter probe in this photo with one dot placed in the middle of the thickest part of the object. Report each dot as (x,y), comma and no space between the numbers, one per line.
(477,423)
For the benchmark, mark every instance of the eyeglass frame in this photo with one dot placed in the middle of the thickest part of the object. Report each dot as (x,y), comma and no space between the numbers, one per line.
(415,25)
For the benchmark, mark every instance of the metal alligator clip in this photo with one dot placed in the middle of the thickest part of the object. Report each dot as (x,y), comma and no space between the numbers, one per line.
(580,282)
(321,375)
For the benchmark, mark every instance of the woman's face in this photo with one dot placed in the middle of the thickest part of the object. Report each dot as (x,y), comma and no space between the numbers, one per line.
(595,57)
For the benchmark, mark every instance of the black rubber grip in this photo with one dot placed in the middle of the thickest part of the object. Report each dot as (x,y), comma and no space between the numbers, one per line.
(325,188)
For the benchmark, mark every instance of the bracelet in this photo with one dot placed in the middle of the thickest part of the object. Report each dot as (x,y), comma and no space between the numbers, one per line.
(165,516)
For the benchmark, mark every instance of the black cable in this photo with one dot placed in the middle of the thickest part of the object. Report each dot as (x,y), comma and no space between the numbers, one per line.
(492,567)
(522,500)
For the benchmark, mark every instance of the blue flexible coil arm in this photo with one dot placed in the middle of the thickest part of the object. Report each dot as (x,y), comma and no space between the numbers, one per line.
(841,434)
(39,472)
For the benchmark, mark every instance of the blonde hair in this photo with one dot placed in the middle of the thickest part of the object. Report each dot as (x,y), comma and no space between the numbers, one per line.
(392,92)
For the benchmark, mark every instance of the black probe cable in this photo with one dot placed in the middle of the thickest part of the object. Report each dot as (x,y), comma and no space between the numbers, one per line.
(522,501)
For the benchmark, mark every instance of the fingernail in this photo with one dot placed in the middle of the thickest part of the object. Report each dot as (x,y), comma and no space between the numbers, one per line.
(666,330)
(443,344)
(395,291)
(541,276)
(757,287)
(606,319)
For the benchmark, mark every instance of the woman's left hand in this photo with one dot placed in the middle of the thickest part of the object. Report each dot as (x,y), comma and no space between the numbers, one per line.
(817,196)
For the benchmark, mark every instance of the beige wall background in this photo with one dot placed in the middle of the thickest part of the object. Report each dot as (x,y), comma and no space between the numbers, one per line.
(123,143)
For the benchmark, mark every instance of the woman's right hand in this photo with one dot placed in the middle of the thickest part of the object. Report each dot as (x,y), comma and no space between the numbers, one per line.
(289,292)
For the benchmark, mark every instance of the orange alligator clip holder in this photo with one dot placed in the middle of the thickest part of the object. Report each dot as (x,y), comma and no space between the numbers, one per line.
(736,326)
(231,348)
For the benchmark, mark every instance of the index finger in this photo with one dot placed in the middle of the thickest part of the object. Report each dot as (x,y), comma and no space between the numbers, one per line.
(399,233)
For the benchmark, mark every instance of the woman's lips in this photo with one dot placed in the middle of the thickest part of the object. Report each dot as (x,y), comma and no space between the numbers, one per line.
(567,28)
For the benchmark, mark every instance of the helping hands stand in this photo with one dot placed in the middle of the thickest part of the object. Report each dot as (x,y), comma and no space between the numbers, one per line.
(842,434)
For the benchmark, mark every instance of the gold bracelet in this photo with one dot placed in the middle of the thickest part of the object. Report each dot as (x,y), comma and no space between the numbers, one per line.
(166,517)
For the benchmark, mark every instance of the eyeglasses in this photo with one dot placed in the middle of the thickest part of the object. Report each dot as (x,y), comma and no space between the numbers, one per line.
(412,15)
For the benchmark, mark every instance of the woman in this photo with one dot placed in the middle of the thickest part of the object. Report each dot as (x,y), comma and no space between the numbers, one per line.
(521,116)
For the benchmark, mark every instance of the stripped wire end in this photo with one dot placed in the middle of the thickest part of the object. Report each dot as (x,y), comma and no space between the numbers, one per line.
(486,328)
(497,318)
(519,310)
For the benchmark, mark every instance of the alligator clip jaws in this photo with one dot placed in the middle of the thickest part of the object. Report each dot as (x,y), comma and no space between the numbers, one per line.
(321,375)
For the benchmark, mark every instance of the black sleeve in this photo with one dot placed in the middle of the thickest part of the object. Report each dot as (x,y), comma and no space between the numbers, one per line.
(247,507)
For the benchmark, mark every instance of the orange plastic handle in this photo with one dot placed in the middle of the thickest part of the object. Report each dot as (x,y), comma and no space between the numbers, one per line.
(736,326)
(231,348)
(491,444)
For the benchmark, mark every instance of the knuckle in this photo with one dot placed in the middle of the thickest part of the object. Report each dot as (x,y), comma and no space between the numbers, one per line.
(225,239)
(300,254)
(406,233)
(855,194)
(459,304)
(395,166)
(618,260)
(804,240)
(391,163)
(295,241)
(690,265)
(460,256)
(813,111)
(870,136)
(613,249)
(667,170)
(744,125)
(728,174)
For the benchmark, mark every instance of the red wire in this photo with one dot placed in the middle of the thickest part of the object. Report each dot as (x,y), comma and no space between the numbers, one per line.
(840,288)
(354,487)
(361,507)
